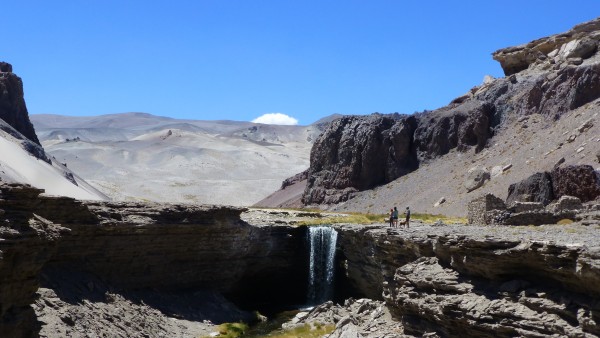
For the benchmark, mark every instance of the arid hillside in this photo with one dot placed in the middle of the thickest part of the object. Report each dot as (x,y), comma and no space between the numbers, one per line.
(542,114)
(142,157)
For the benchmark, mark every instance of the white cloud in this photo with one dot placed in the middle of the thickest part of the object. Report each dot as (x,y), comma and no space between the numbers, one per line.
(276,118)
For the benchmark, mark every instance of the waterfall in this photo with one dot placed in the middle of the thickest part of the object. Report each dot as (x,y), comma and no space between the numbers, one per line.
(322,241)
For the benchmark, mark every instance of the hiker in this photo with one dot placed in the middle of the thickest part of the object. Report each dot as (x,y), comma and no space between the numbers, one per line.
(391,218)
(395,214)
(407,212)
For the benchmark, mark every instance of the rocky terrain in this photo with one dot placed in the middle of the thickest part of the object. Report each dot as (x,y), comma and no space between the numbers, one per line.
(545,111)
(480,281)
(142,157)
(145,269)
(96,259)
(105,268)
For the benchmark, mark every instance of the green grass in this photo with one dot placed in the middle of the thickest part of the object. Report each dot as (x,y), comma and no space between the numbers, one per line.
(304,331)
(231,330)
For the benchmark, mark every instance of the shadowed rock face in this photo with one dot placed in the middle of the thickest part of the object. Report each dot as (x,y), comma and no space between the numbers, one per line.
(12,103)
(459,126)
(141,246)
(358,153)
(536,188)
(27,242)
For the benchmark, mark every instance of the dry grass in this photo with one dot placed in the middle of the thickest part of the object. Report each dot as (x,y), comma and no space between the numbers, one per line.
(368,218)
(351,218)
(431,218)
(564,221)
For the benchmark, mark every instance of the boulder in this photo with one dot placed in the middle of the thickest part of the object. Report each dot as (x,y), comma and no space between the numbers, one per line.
(476,178)
(580,181)
(566,203)
(585,126)
(535,188)
(580,48)
(496,171)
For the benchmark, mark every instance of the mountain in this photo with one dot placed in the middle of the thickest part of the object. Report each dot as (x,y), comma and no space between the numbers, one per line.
(139,156)
(22,158)
(543,113)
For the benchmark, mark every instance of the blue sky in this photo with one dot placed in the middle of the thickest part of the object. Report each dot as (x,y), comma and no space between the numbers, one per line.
(238,60)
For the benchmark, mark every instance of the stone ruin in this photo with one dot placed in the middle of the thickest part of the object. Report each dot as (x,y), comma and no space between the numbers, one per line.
(543,198)
(491,210)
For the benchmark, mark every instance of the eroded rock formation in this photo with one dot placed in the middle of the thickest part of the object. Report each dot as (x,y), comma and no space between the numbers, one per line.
(27,242)
(358,153)
(549,77)
(462,281)
(133,246)
(579,42)
(12,103)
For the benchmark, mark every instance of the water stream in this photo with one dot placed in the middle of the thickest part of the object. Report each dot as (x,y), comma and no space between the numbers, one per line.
(322,241)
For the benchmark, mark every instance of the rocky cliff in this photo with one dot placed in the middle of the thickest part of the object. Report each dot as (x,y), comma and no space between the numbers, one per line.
(27,241)
(479,282)
(12,103)
(549,78)
(139,246)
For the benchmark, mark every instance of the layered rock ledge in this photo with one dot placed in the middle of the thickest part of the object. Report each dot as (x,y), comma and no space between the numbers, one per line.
(480,281)
(137,246)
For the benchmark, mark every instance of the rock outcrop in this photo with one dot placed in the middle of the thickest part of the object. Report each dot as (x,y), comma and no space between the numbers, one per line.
(137,246)
(476,281)
(548,77)
(535,188)
(359,153)
(355,318)
(476,178)
(27,242)
(581,181)
(12,103)
(579,42)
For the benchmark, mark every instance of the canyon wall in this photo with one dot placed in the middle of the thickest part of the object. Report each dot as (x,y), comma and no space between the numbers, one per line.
(140,246)
(482,284)
(27,241)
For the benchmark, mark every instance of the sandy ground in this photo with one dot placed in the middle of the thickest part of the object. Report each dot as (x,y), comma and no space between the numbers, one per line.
(17,165)
(167,160)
